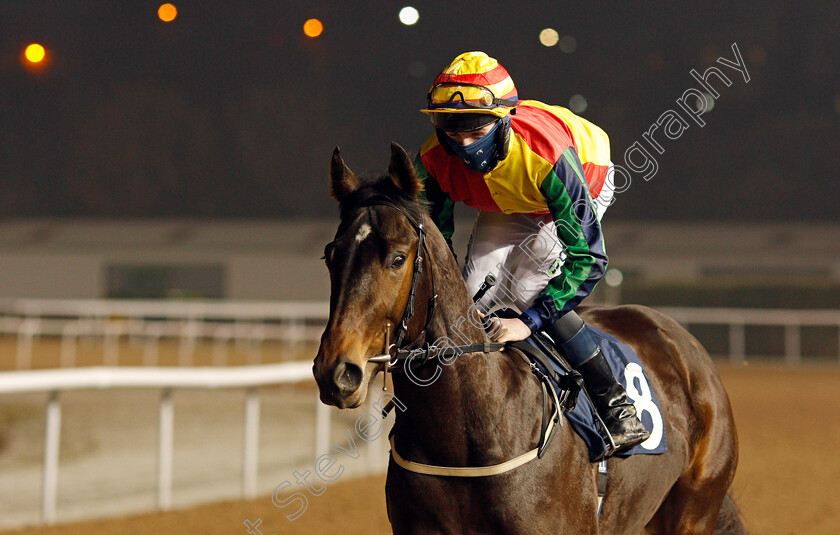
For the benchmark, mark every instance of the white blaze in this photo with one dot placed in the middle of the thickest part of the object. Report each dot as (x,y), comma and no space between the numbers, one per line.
(364,230)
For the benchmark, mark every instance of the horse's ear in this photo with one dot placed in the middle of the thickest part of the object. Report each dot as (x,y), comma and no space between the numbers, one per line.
(402,171)
(342,180)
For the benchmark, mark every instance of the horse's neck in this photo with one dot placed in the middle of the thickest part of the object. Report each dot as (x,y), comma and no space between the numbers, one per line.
(455,321)
(453,406)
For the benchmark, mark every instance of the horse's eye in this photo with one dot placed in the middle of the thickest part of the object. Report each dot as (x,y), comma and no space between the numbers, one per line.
(398,262)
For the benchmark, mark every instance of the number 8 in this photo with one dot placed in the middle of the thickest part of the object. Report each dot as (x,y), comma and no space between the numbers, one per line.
(643,401)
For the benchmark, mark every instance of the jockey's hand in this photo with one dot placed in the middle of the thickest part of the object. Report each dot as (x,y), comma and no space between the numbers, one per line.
(509,330)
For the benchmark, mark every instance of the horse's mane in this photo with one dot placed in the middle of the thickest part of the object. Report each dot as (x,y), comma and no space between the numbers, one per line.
(380,190)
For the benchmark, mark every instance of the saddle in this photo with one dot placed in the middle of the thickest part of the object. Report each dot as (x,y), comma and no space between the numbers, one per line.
(579,411)
(563,388)
(563,385)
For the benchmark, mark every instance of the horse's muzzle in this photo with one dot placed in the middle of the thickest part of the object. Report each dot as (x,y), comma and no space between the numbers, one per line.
(347,377)
(338,387)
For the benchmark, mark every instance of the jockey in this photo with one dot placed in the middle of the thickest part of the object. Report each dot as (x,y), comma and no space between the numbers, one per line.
(537,175)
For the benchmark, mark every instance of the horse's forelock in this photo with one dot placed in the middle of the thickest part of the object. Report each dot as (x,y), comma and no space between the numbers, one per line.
(374,189)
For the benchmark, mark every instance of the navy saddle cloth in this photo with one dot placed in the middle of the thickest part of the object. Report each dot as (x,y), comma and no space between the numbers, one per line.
(628,369)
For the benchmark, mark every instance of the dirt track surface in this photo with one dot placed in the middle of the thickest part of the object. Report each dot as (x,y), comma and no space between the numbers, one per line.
(787,481)
(352,508)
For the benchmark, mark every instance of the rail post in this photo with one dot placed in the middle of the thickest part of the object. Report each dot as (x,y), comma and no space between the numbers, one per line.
(737,342)
(793,345)
(165,440)
(69,342)
(221,338)
(52,440)
(113,332)
(256,336)
(186,347)
(151,345)
(25,340)
(250,454)
(322,427)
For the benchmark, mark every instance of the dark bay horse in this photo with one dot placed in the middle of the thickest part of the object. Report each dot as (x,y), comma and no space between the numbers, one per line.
(481,409)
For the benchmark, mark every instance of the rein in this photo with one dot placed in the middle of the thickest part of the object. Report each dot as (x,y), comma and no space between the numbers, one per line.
(428,352)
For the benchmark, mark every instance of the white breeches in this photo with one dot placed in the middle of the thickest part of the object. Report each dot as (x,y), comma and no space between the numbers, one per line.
(521,251)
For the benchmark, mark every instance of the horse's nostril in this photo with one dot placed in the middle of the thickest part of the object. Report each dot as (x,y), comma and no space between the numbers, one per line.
(347,377)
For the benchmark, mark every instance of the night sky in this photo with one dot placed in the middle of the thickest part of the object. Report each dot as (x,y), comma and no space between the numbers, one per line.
(230,111)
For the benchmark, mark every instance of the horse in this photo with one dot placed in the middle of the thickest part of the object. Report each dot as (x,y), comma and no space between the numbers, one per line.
(394,278)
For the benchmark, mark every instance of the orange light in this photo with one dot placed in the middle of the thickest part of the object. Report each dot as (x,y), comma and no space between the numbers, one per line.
(167,12)
(313,28)
(35,53)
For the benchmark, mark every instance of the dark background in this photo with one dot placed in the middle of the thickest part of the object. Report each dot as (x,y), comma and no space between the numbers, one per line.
(230,111)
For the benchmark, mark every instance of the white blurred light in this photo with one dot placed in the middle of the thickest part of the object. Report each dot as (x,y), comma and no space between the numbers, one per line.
(577,104)
(710,103)
(568,44)
(614,277)
(409,15)
(549,37)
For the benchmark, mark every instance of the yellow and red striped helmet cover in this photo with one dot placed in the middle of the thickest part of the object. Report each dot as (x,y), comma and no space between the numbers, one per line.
(474,68)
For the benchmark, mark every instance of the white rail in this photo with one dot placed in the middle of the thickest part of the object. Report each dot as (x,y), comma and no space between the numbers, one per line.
(290,321)
(242,310)
(221,322)
(166,379)
(737,319)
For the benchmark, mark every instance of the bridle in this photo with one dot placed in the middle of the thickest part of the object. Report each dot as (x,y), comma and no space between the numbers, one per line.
(394,352)
(429,351)
(417,270)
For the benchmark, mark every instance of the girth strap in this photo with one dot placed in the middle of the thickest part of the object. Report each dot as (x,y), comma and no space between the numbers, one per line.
(467,471)
(547,431)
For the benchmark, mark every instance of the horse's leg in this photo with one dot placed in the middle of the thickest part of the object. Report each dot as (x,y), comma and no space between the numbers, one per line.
(693,504)
(702,440)
(411,515)
(691,508)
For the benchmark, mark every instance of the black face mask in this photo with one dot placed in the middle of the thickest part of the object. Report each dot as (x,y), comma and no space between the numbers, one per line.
(481,155)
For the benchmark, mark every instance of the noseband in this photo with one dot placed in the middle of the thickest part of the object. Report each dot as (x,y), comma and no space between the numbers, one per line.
(417,270)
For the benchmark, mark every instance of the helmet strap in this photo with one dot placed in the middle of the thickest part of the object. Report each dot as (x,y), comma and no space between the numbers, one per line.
(503,139)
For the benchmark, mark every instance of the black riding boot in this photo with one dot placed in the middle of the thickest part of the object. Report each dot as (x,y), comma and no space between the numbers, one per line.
(610,400)
(576,344)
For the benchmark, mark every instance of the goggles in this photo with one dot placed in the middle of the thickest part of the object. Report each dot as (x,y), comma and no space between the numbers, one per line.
(464,96)
(461,122)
